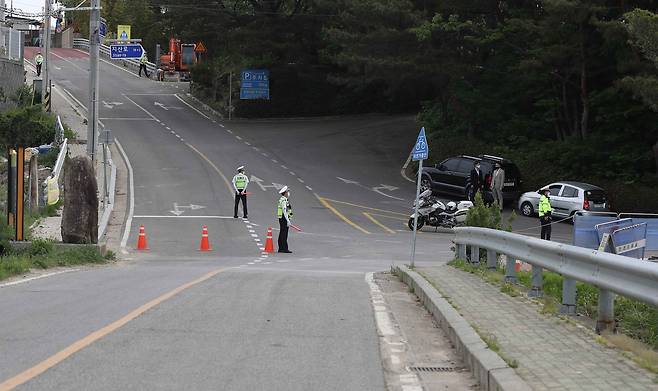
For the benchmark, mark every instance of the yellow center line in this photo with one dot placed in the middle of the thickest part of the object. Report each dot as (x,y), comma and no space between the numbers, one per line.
(385,228)
(390,217)
(221,174)
(75,347)
(366,207)
(341,216)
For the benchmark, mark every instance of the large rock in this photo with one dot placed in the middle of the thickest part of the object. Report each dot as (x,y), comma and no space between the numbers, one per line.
(80,216)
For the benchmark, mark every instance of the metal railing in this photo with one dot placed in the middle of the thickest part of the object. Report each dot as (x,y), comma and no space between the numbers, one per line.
(81,43)
(610,273)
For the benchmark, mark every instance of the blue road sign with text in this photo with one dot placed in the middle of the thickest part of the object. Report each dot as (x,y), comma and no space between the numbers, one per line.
(421,149)
(255,84)
(126,51)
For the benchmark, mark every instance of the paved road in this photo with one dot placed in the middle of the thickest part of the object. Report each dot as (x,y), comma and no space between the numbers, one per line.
(299,321)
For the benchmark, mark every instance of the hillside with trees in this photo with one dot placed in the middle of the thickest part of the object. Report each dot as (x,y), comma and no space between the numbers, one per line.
(568,89)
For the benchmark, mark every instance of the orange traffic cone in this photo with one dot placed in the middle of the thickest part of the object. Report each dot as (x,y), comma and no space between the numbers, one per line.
(269,245)
(141,241)
(205,243)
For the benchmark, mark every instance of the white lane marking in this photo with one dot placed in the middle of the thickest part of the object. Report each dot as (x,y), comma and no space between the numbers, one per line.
(247,144)
(292,173)
(172,132)
(300,180)
(131,207)
(256,149)
(126,119)
(254,235)
(17,282)
(309,188)
(178,136)
(222,125)
(251,231)
(192,107)
(284,167)
(182,139)
(238,137)
(256,240)
(274,161)
(143,109)
(267,263)
(250,263)
(181,217)
(230,131)
(168,128)
(67,60)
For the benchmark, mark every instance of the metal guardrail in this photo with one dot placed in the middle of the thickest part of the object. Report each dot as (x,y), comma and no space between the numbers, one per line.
(81,43)
(611,273)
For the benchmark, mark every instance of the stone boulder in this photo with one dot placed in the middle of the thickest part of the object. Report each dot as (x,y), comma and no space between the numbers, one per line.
(80,215)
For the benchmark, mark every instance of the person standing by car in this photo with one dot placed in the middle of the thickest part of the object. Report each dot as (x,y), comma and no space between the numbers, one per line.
(476,181)
(497,184)
(545,211)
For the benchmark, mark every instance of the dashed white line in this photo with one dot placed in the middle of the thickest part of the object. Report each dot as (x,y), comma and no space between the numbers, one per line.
(247,144)
(274,161)
(256,148)
(230,131)
(300,180)
(284,167)
(172,132)
(292,173)
(309,188)
(238,137)
(168,128)
(222,125)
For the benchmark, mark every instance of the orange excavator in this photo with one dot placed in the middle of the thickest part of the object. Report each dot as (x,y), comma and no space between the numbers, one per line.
(179,60)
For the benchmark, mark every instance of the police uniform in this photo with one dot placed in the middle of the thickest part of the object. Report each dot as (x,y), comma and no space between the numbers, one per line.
(545,210)
(142,64)
(39,61)
(240,183)
(284,213)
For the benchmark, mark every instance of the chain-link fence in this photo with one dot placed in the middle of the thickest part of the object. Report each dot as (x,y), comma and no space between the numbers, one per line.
(11,44)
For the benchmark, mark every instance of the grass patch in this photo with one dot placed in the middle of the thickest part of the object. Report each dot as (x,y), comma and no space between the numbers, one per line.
(509,289)
(42,254)
(635,350)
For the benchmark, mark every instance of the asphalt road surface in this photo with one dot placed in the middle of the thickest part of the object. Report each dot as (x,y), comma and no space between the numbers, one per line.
(232,318)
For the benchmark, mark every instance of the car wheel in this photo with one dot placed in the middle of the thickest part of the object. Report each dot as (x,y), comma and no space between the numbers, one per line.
(526,209)
(425,184)
(419,224)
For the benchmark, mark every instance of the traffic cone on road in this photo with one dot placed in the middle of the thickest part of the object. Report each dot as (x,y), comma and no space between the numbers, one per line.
(141,241)
(269,245)
(205,243)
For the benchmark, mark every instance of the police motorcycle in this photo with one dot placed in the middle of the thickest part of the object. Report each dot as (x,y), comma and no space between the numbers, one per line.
(433,212)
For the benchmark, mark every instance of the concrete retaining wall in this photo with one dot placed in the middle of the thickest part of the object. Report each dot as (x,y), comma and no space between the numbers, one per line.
(13,77)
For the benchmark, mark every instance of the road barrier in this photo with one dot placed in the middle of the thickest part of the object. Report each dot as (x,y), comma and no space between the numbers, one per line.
(81,43)
(610,273)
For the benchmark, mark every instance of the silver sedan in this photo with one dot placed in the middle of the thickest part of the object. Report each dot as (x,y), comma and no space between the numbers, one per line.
(566,199)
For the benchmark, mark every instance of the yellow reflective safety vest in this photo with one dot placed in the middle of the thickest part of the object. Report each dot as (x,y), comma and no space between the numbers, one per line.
(143,59)
(544,205)
(282,204)
(38,59)
(240,181)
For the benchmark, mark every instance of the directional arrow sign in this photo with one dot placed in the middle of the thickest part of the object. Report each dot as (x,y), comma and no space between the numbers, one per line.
(167,108)
(111,105)
(177,208)
(127,51)
(421,150)
(348,181)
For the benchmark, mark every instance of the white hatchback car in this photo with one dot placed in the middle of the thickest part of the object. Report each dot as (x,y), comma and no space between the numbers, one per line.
(566,199)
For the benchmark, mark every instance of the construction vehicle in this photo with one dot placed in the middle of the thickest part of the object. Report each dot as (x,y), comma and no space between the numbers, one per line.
(178,62)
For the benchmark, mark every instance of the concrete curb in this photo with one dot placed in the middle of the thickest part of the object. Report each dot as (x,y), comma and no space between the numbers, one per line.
(101,247)
(204,106)
(487,367)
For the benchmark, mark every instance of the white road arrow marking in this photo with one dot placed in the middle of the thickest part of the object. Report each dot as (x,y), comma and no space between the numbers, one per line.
(379,189)
(348,181)
(111,105)
(167,108)
(263,187)
(177,208)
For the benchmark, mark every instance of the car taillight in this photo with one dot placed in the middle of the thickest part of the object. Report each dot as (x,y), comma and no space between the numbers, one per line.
(586,204)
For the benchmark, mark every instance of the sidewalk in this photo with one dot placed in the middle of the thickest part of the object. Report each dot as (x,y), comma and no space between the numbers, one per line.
(552,354)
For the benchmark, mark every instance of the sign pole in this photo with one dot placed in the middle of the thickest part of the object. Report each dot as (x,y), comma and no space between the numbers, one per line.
(94,41)
(420,152)
(413,244)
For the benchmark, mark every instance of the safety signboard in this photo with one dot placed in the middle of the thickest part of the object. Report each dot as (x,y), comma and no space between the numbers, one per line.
(421,149)
(123,32)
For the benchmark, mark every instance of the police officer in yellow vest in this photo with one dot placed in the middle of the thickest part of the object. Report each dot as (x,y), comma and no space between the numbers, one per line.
(284,213)
(142,64)
(545,210)
(38,60)
(240,183)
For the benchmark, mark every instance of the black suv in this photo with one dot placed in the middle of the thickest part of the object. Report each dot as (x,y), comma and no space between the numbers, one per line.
(452,176)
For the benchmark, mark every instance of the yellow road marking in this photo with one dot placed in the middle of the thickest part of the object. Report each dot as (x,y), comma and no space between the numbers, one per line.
(390,217)
(62,355)
(366,207)
(324,203)
(221,174)
(385,228)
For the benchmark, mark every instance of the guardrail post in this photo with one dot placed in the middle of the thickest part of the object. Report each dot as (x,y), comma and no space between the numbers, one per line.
(510,270)
(475,255)
(568,296)
(537,282)
(460,251)
(492,259)
(606,319)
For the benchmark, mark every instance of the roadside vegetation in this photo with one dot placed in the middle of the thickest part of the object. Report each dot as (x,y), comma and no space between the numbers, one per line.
(636,320)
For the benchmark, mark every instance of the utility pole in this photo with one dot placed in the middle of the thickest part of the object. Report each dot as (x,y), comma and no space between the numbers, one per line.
(45,86)
(94,41)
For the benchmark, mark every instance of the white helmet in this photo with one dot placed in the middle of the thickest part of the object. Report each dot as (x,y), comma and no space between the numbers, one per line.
(451,205)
